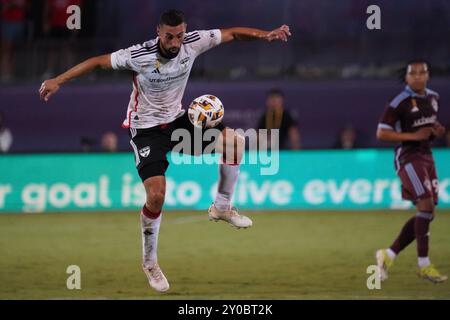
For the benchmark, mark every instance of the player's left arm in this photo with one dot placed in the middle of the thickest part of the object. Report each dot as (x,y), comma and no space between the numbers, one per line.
(242,33)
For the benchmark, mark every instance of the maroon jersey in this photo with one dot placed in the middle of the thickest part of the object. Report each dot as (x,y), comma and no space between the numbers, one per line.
(408,112)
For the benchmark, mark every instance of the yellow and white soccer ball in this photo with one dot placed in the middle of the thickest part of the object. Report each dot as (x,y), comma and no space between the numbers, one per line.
(206,111)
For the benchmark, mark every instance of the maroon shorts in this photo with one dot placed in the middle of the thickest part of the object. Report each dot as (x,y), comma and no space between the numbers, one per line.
(419,181)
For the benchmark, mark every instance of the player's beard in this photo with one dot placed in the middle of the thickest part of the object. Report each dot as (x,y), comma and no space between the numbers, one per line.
(168,54)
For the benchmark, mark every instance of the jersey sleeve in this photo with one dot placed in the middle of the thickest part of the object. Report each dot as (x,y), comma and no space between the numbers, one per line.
(203,40)
(132,58)
(389,118)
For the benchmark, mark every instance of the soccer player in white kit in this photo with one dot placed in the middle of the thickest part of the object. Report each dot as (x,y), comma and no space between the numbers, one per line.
(161,69)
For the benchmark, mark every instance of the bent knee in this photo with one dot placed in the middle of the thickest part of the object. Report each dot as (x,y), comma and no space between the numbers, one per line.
(426,205)
(155,200)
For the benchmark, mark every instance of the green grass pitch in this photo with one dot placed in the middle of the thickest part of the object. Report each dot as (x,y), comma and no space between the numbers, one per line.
(285,255)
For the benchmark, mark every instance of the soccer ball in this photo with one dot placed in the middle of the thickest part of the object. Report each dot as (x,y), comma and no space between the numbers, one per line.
(206,111)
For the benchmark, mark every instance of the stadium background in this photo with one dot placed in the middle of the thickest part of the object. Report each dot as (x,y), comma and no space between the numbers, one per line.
(335,73)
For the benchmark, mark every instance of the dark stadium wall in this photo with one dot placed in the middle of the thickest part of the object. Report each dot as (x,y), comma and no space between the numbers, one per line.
(322,109)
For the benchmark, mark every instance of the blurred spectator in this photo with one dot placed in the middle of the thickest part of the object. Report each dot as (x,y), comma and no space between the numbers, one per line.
(356,17)
(55,29)
(334,41)
(277,117)
(6,138)
(87,144)
(13,26)
(109,142)
(347,139)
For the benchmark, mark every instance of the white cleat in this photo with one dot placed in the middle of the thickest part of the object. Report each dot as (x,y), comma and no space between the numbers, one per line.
(156,278)
(231,216)
(383,263)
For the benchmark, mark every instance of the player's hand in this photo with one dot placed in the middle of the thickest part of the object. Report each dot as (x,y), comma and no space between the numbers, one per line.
(423,134)
(438,130)
(282,33)
(48,88)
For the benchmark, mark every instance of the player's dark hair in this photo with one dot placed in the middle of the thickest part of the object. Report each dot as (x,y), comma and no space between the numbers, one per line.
(403,71)
(275,92)
(172,18)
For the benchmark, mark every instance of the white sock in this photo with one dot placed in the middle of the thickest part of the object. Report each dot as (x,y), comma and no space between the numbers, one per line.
(150,232)
(391,254)
(228,176)
(424,262)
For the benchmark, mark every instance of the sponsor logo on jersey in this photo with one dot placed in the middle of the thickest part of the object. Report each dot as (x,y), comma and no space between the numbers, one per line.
(184,62)
(424,120)
(144,152)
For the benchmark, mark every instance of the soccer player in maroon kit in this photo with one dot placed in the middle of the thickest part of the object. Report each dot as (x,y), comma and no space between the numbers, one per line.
(411,119)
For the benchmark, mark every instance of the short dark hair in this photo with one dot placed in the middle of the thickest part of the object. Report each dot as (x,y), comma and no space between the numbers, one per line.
(403,71)
(275,92)
(172,18)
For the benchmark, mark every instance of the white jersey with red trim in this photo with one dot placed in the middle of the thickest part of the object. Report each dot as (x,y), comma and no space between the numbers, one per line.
(159,83)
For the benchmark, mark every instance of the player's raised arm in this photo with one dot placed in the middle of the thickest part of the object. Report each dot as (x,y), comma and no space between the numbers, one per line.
(49,87)
(241,33)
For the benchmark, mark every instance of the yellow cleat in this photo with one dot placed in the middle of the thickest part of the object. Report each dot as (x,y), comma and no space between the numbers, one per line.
(384,262)
(432,274)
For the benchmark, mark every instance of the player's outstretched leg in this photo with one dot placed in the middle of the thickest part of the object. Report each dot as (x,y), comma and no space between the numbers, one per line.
(150,223)
(232,147)
(385,257)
